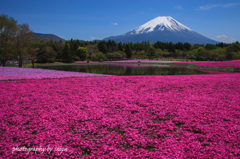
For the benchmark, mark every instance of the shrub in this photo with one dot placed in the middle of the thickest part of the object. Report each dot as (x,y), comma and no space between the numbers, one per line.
(114,55)
(93,57)
(98,56)
(76,58)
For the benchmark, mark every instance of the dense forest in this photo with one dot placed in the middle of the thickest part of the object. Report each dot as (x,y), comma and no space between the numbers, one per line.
(17,42)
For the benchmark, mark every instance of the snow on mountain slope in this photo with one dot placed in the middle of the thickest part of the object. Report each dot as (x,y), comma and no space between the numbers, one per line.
(160,23)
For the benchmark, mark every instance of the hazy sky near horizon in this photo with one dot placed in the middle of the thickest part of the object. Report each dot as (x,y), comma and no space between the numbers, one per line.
(97,19)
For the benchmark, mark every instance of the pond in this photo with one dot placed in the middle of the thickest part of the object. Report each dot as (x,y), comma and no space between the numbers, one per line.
(125,69)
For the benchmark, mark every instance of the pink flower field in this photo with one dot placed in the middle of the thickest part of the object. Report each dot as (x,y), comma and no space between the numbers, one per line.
(234,63)
(182,116)
(135,60)
(13,73)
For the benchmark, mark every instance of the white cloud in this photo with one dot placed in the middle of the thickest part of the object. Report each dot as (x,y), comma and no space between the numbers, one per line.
(207,7)
(222,36)
(179,7)
(114,23)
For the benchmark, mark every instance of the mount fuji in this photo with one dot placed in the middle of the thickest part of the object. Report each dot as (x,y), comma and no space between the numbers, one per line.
(164,29)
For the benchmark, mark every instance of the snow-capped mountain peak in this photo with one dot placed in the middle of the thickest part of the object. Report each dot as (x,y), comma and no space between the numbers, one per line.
(160,23)
(164,29)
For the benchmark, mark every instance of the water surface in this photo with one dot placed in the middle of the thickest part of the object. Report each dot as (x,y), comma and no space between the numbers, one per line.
(125,69)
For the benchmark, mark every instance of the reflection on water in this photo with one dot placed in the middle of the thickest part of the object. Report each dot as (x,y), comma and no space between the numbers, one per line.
(126,69)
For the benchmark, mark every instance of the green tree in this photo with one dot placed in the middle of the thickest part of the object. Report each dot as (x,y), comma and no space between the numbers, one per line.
(151,52)
(111,46)
(22,40)
(52,44)
(187,46)
(91,49)
(120,47)
(171,47)
(114,55)
(33,50)
(82,53)
(93,57)
(66,55)
(102,47)
(46,54)
(100,56)
(210,47)
(232,50)
(179,46)
(146,46)
(128,51)
(7,32)
(59,48)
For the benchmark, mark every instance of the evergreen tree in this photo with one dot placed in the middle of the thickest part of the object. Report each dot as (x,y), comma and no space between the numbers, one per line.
(179,46)
(102,47)
(220,45)
(46,54)
(128,51)
(151,52)
(120,47)
(124,46)
(75,45)
(171,47)
(131,46)
(210,47)
(72,49)
(59,45)
(66,53)
(52,44)
(187,46)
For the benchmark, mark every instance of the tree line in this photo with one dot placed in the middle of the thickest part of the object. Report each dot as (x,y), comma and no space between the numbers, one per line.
(17,42)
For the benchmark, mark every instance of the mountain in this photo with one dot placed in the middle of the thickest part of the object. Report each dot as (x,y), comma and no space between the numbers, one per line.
(164,29)
(48,37)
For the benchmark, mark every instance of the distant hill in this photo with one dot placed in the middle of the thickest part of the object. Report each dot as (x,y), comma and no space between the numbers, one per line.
(96,40)
(48,37)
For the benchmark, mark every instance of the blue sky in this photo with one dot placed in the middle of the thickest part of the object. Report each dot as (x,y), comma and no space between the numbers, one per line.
(97,19)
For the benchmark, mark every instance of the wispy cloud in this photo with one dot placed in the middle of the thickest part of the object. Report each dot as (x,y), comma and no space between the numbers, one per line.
(114,23)
(222,36)
(139,13)
(207,7)
(230,5)
(178,7)
(225,39)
